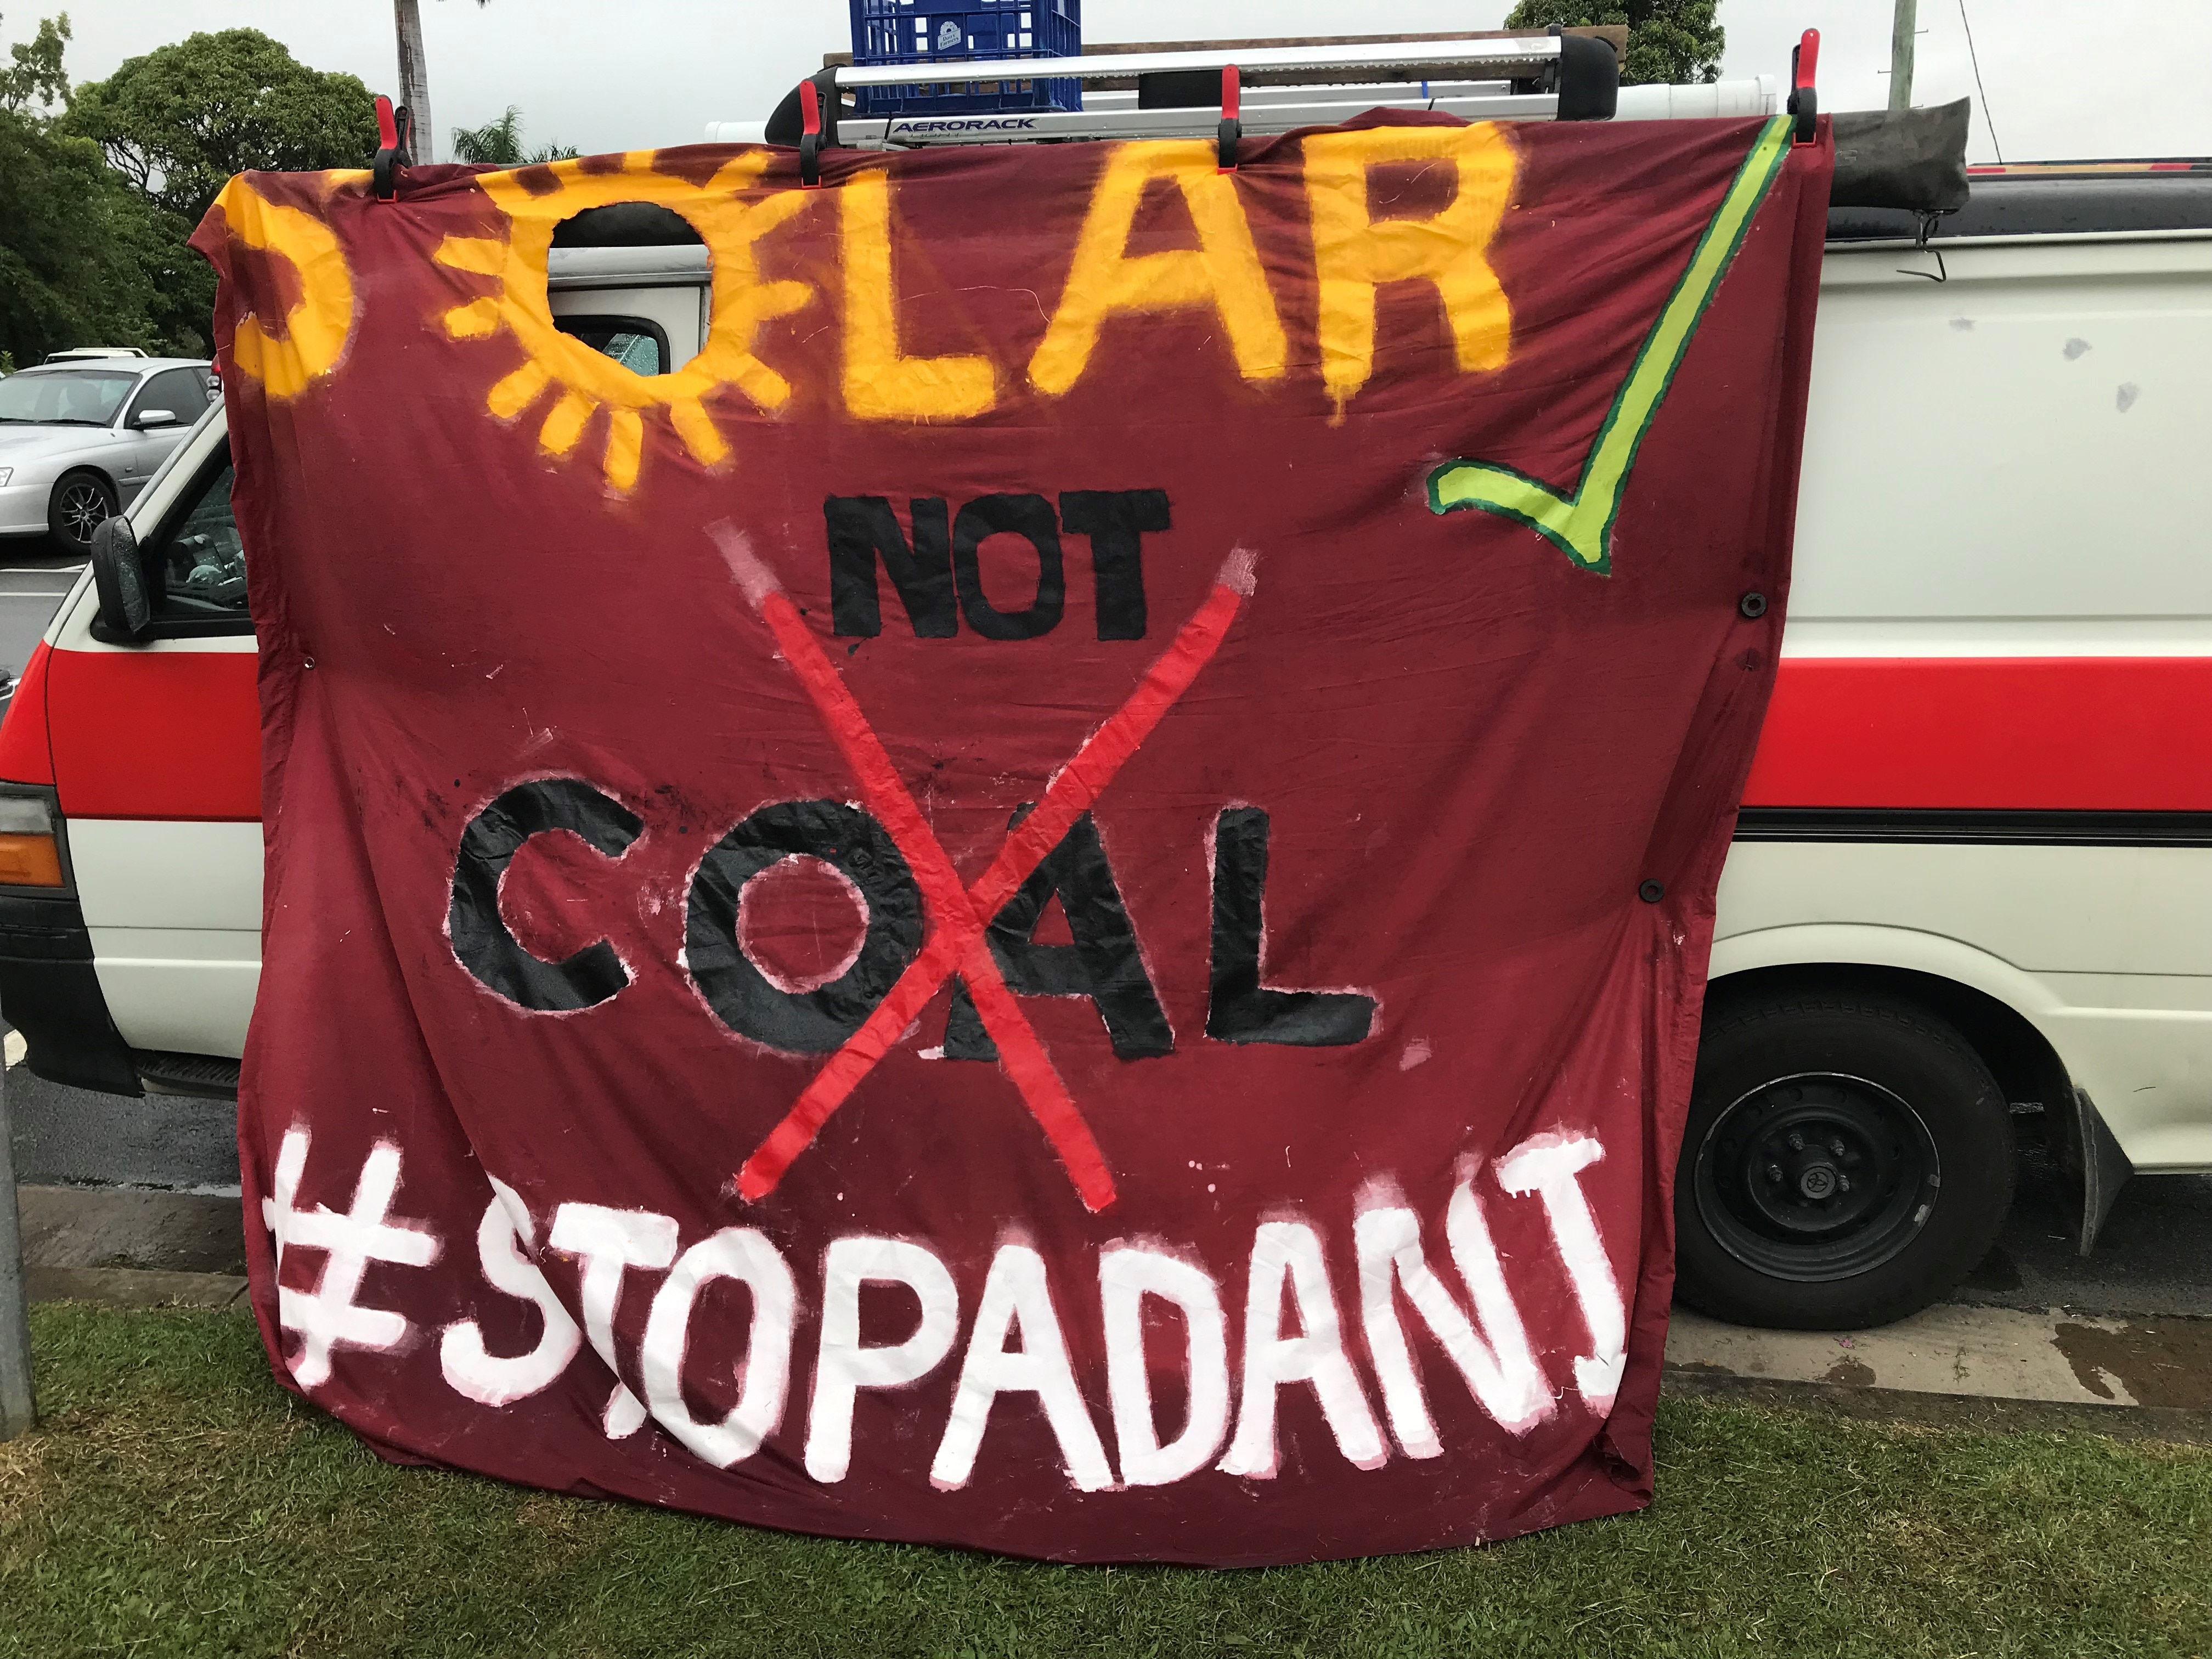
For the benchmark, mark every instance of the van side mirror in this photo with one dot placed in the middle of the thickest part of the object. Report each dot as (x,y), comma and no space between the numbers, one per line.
(145,417)
(118,577)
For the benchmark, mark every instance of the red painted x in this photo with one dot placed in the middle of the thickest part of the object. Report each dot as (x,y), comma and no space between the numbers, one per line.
(958,914)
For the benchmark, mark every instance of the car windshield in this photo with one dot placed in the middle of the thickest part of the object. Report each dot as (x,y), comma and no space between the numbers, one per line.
(64,397)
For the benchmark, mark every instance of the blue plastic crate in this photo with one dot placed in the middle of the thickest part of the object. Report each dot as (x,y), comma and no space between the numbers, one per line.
(989,36)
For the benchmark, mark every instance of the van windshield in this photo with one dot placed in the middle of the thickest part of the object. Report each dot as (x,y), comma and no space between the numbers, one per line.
(65,397)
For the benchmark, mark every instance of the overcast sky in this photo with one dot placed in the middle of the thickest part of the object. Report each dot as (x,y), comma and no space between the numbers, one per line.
(2064,78)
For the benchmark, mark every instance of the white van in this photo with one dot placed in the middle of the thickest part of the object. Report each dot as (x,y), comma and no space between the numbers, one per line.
(1973,873)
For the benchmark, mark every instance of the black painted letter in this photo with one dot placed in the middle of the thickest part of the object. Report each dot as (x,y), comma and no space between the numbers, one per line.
(862,528)
(1030,518)
(745,1000)
(1240,1009)
(1116,521)
(480,935)
(1104,963)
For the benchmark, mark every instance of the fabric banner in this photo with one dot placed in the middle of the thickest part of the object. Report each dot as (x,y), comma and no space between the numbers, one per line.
(1056,896)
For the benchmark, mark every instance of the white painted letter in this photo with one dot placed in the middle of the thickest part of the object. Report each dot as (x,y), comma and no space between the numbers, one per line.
(844,1367)
(609,1241)
(1501,1373)
(1126,1278)
(765,1372)
(492,1379)
(1289,1251)
(1546,1164)
(1015,1292)
(328,1316)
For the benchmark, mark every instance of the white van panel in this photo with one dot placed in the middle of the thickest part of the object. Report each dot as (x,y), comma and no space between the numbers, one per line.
(2021,444)
(190,990)
(2046,909)
(167,873)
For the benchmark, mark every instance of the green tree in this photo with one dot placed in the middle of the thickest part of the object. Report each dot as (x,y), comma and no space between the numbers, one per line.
(178,122)
(81,253)
(1669,41)
(500,144)
(34,80)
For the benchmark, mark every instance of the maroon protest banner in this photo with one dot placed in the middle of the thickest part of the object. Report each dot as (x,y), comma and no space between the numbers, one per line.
(1056,896)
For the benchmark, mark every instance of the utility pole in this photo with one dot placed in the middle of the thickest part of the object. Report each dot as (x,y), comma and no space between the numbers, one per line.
(415,75)
(17,1410)
(1901,31)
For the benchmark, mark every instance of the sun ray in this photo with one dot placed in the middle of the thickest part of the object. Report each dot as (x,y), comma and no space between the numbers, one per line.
(517,391)
(485,255)
(625,446)
(741,172)
(475,320)
(565,424)
(700,436)
(767,388)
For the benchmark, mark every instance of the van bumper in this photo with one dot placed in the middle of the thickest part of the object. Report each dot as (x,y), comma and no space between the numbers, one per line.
(50,993)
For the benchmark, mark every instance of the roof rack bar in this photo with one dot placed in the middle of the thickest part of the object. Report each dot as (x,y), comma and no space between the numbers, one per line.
(1520,58)
(1755,97)
(1016,126)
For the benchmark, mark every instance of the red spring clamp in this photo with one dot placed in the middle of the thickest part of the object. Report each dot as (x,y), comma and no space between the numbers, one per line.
(1231,128)
(395,134)
(810,136)
(1804,102)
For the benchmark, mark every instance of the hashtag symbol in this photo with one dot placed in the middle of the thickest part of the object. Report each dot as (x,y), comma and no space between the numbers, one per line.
(329,1317)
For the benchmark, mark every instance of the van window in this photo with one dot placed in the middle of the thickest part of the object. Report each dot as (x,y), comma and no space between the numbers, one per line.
(201,561)
(638,344)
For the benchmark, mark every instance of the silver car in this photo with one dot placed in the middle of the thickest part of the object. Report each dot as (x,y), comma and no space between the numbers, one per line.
(78,440)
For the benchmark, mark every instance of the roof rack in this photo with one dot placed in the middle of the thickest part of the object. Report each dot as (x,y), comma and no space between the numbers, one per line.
(1227,89)
(1223,91)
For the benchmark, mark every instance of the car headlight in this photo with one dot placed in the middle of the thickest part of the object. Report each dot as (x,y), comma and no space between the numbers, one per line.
(7,473)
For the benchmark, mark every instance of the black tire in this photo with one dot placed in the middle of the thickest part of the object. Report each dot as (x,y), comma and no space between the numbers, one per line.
(80,501)
(1808,1237)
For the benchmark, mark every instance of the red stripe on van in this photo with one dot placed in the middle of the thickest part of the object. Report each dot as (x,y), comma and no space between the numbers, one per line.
(177,734)
(2086,733)
(155,734)
(26,757)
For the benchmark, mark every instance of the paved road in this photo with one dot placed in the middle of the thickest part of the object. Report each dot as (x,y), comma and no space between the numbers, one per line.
(32,583)
(2154,1259)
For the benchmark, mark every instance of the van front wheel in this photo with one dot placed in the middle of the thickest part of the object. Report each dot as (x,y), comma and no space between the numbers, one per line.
(1848,1161)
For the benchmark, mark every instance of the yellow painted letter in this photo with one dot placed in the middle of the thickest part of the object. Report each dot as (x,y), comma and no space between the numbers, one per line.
(881,383)
(1223,270)
(1354,253)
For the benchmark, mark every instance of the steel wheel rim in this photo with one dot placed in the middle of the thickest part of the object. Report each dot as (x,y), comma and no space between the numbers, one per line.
(84,509)
(1857,1186)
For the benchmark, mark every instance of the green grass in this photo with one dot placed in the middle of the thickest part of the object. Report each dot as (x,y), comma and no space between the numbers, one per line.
(175,1501)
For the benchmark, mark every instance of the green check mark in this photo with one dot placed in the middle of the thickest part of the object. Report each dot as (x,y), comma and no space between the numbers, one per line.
(1580,524)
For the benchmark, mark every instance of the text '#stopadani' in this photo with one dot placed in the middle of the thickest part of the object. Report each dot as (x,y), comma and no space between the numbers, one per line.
(1015,1339)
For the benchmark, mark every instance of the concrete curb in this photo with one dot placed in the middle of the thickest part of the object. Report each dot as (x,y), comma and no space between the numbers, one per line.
(1957,1413)
(133,1287)
(1999,1353)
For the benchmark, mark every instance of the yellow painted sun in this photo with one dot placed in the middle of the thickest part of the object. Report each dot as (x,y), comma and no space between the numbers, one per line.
(730,216)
